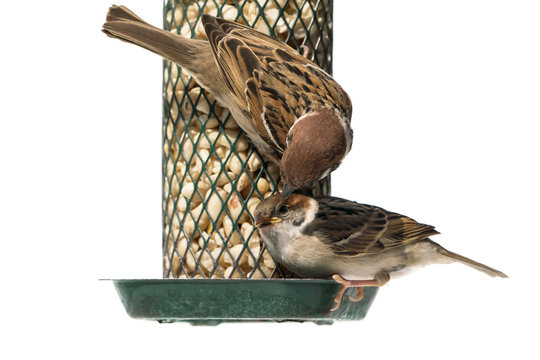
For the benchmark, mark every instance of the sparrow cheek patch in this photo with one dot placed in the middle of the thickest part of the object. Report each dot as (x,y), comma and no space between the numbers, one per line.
(298,222)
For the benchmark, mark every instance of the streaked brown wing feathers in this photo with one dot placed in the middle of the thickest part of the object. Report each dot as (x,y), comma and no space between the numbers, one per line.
(269,78)
(353,229)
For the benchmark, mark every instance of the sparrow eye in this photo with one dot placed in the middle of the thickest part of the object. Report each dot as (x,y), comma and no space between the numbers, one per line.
(283,209)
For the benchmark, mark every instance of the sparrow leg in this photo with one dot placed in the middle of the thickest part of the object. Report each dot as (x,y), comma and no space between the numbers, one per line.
(379,280)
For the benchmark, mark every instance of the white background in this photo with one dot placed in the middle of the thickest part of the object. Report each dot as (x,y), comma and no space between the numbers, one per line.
(446,105)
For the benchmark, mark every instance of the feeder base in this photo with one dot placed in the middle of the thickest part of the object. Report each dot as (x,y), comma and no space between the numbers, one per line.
(213,301)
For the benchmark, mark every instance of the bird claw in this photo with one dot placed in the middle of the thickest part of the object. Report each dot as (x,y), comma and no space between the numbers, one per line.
(358,284)
(359,294)
(306,51)
(335,307)
(339,295)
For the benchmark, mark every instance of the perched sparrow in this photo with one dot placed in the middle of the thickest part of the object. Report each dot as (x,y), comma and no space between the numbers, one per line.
(358,245)
(293,111)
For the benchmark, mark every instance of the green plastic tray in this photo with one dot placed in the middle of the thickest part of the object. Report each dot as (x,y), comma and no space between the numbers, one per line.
(212,301)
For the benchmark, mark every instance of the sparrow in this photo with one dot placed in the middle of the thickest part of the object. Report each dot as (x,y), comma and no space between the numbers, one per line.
(294,112)
(355,244)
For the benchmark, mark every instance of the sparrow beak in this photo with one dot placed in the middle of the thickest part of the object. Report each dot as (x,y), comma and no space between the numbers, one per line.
(287,190)
(265,221)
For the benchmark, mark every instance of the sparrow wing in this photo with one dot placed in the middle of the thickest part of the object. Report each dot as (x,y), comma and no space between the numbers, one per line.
(353,229)
(270,80)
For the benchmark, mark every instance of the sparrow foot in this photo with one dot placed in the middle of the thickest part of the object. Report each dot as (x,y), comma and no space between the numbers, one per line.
(339,295)
(359,294)
(358,284)
(306,51)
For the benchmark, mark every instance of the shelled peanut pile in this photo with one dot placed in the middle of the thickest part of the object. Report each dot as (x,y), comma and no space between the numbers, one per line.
(213,178)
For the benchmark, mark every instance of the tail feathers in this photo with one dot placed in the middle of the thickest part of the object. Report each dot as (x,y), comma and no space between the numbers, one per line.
(123,24)
(194,56)
(117,13)
(150,38)
(469,262)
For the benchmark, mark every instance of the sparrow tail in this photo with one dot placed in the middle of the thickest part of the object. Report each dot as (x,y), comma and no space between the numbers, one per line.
(194,56)
(469,262)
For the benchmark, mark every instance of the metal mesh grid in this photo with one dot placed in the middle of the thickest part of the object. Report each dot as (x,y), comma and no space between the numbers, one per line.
(212,177)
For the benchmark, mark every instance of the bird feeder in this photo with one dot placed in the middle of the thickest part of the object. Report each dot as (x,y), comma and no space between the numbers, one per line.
(215,266)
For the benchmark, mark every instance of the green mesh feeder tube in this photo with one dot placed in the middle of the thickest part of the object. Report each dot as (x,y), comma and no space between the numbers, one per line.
(212,176)
(215,266)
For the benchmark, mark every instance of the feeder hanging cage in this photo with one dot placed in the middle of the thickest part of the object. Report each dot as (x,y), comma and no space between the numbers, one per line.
(213,178)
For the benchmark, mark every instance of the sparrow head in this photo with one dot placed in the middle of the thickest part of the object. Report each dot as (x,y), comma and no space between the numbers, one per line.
(295,211)
(316,144)
(281,223)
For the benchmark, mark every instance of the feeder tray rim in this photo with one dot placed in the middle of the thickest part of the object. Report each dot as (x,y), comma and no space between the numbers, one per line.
(212,301)
(161,280)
